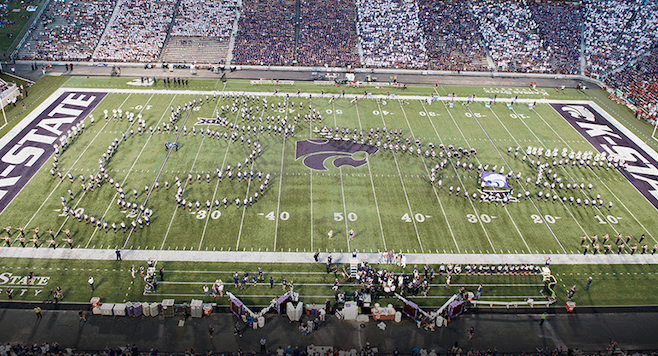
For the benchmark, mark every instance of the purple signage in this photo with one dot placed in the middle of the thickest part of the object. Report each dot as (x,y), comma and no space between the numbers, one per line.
(29,145)
(613,138)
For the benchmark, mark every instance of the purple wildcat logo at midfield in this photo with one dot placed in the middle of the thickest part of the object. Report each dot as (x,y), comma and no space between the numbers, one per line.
(317,151)
(30,143)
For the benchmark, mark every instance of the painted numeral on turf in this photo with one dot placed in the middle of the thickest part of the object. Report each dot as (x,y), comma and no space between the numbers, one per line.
(338,111)
(350,216)
(284,215)
(201,214)
(548,218)
(610,218)
(383,112)
(430,113)
(140,107)
(520,116)
(419,217)
(472,218)
(131,215)
(476,114)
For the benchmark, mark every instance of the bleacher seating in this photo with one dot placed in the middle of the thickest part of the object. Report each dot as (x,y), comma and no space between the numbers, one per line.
(68,30)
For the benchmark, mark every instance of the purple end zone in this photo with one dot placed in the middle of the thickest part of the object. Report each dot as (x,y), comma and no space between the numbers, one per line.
(642,169)
(319,150)
(29,145)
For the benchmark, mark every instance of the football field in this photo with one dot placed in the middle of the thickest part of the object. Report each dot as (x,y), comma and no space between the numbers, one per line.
(323,179)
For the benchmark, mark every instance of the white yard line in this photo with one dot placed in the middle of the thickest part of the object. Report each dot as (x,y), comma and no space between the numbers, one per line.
(509,168)
(203,139)
(70,168)
(278,202)
(524,152)
(244,208)
(601,181)
(214,194)
(563,169)
(433,187)
(310,173)
(128,174)
(403,187)
(342,188)
(458,176)
(372,183)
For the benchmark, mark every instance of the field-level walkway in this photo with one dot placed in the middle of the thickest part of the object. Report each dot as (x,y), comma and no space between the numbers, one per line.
(307,257)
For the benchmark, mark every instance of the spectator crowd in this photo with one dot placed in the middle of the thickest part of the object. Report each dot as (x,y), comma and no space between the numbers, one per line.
(541,36)
(559,25)
(511,35)
(391,33)
(206,18)
(68,30)
(327,33)
(638,83)
(452,34)
(617,32)
(266,33)
(136,32)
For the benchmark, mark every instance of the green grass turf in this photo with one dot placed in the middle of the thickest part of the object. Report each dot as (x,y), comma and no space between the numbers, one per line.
(36,94)
(612,285)
(389,202)
(19,18)
(399,182)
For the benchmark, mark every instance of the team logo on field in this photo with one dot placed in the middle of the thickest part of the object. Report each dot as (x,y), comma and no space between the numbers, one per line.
(494,180)
(207,121)
(579,112)
(317,151)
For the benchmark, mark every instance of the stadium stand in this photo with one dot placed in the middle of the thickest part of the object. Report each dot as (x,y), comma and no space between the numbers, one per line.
(617,32)
(511,36)
(637,82)
(559,25)
(136,32)
(68,30)
(452,34)
(266,33)
(201,31)
(328,33)
(391,33)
